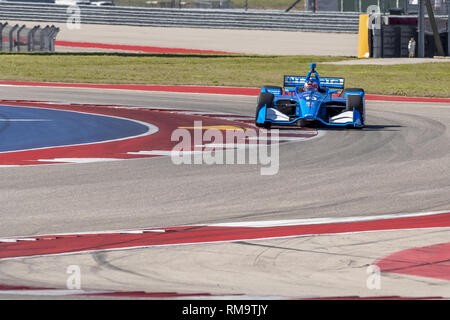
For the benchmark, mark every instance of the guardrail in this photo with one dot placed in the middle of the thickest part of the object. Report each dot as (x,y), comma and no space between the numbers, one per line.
(200,18)
(20,38)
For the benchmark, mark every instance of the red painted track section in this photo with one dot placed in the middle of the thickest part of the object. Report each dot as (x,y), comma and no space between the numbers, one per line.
(145,49)
(200,89)
(57,244)
(431,261)
(166,120)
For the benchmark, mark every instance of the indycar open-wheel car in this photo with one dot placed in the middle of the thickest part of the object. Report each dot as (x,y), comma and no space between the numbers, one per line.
(308,100)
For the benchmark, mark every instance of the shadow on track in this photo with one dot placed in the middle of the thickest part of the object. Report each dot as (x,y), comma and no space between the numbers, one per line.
(377,127)
(367,127)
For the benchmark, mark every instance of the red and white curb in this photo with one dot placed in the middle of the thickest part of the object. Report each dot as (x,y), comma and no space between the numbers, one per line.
(42,245)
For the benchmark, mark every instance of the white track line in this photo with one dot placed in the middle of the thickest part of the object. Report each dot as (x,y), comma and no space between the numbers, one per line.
(298,222)
(164,152)
(80,160)
(24,120)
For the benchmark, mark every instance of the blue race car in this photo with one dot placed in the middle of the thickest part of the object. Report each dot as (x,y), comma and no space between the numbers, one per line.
(311,100)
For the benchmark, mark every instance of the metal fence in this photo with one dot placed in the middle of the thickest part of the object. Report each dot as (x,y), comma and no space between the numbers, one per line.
(180,4)
(391,41)
(390,36)
(21,38)
(386,6)
(201,18)
(204,4)
(440,7)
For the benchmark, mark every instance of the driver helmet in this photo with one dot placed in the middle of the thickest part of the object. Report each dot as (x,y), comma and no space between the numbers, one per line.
(310,86)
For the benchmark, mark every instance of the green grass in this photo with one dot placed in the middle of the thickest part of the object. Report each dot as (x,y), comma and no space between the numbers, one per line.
(430,79)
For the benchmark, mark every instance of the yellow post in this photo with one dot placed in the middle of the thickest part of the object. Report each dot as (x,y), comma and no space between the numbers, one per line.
(363,43)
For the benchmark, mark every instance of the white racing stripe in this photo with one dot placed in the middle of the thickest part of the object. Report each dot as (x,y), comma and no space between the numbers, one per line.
(232,145)
(344,117)
(281,138)
(236,118)
(17,239)
(164,152)
(141,231)
(80,160)
(24,120)
(53,237)
(200,113)
(298,222)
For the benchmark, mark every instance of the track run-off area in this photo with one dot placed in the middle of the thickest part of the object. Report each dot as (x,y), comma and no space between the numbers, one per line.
(350,213)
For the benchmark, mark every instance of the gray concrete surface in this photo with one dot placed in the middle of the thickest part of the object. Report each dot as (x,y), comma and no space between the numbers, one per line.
(238,41)
(398,163)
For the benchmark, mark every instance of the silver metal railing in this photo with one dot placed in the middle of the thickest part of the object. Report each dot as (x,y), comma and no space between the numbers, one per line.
(21,38)
(170,17)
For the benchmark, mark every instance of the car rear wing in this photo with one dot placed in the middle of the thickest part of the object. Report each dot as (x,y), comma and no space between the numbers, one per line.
(296,81)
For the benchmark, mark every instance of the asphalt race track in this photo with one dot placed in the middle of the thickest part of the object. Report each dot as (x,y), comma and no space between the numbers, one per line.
(397,164)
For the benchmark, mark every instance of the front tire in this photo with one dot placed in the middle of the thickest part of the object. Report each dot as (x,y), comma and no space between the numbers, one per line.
(264,99)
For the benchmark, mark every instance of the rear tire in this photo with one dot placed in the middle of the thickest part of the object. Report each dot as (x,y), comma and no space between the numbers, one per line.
(264,99)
